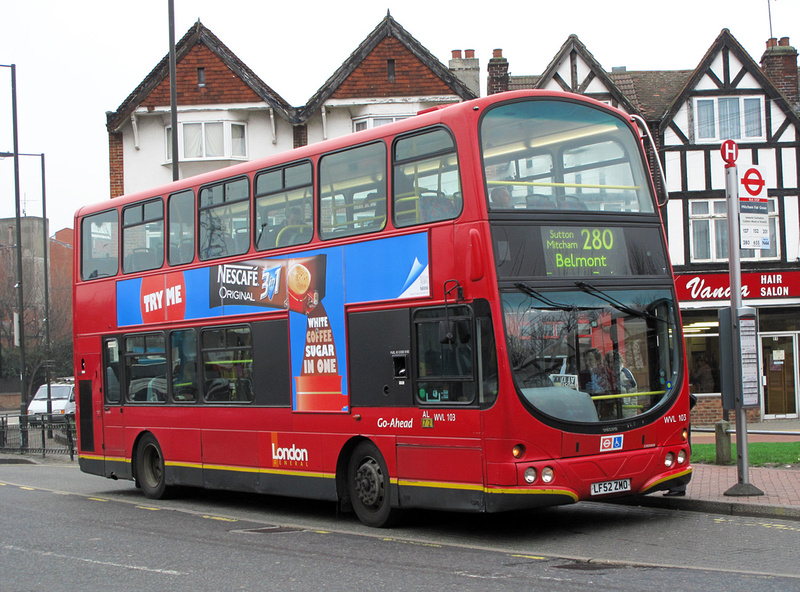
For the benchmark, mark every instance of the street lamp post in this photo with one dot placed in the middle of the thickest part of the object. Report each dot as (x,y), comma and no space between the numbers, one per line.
(23,407)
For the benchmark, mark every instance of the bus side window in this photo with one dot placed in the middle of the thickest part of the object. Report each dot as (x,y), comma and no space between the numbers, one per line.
(445,356)
(352,191)
(181,211)
(111,371)
(426,184)
(227,355)
(143,236)
(284,208)
(225,219)
(145,368)
(183,361)
(100,245)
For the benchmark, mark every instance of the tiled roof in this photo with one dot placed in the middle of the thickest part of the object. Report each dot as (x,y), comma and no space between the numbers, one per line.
(387,28)
(652,91)
(198,33)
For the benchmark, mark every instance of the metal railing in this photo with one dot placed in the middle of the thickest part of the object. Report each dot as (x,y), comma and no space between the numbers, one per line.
(40,435)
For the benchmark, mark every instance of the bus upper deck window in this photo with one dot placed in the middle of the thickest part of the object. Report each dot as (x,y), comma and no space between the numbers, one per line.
(143,236)
(284,213)
(353,191)
(225,219)
(426,178)
(100,245)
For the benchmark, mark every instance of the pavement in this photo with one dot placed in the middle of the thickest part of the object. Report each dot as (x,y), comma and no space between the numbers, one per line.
(705,492)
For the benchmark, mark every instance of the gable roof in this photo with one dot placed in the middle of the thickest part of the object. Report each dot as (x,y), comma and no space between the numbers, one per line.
(572,50)
(197,34)
(387,28)
(726,44)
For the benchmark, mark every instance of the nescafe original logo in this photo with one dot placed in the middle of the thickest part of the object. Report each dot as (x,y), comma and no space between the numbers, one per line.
(163,297)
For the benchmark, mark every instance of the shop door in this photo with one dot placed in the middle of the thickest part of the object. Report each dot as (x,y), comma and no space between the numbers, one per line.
(779,375)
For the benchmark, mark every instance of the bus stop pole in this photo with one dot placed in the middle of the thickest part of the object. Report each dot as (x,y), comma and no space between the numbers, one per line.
(743,487)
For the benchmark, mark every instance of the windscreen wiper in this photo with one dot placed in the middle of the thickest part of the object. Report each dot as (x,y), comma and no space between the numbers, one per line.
(528,291)
(590,289)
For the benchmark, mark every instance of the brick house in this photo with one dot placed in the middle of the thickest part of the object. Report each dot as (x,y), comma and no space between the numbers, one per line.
(227,114)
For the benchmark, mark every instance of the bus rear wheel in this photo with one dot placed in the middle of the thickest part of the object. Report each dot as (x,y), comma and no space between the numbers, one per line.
(368,486)
(150,468)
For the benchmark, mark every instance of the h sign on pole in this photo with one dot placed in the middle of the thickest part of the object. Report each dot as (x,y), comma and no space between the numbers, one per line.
(730,152)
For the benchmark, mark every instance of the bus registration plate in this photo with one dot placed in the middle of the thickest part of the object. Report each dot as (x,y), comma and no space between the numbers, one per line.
(611,486)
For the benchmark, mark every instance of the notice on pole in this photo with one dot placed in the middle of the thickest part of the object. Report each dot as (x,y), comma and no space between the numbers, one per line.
(753,210)
(747,332)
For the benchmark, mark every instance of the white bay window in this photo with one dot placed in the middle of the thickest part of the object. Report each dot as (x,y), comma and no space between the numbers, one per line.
(729,118)
(209,140)
(708,232)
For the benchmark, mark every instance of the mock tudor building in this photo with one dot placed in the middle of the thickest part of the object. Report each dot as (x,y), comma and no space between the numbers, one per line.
(227,114)
(691,112)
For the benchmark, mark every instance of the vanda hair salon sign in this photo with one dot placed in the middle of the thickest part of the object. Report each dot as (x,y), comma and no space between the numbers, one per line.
(716,286)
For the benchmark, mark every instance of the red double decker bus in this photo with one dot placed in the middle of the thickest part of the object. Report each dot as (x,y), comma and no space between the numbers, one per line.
(471,309)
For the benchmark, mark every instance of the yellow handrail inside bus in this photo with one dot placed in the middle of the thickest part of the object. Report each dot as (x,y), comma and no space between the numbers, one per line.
(621,395)
(578,185)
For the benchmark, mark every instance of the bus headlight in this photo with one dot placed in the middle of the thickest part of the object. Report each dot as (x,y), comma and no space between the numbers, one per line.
(548,474)
(681,457)
(669,460)
(530,475)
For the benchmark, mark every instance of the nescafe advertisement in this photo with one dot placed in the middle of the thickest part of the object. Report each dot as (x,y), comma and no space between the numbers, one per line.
(294,284)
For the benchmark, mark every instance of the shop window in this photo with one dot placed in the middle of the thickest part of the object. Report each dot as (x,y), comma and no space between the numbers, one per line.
(701,335)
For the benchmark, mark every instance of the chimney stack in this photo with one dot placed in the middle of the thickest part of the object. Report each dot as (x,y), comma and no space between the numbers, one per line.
(779,63)
(466,69)
(498,73)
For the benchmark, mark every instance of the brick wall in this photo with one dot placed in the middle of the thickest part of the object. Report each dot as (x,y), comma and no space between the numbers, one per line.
(779,62)
(372,77)
(498,73)
(116,165)
(708,411)
(221,85)
(300,135)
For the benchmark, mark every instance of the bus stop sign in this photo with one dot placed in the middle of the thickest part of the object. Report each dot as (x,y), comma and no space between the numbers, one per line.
(730,152)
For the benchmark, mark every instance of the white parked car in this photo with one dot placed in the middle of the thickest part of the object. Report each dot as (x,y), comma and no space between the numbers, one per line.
(62,402)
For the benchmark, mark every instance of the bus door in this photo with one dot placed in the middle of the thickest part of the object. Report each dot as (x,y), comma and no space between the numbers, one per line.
(112,425)
(87,383)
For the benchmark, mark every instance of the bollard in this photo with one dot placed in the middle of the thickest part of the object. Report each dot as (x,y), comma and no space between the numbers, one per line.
(723,442)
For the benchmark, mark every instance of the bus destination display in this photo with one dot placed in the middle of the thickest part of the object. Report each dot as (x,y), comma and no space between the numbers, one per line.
(585,250)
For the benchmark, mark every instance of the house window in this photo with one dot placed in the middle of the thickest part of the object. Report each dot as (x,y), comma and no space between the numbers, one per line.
(729,118)
(363,123)
(708,225)
(209,140)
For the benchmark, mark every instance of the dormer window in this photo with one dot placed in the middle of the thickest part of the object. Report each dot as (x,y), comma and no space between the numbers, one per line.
(201,77)
(729,118)
(390,69)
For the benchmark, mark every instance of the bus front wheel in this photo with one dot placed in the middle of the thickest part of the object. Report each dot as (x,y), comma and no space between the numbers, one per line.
(150,468)
(368,486)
